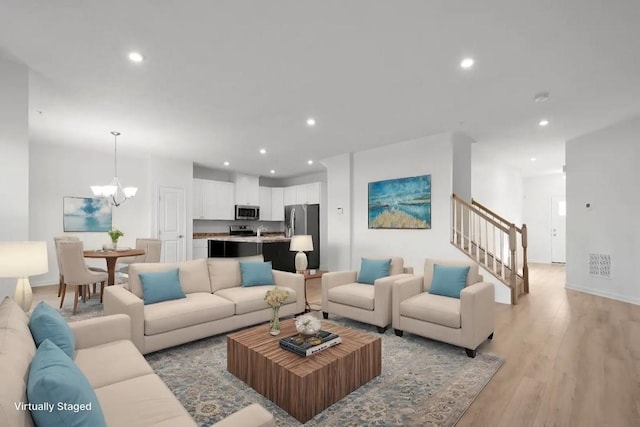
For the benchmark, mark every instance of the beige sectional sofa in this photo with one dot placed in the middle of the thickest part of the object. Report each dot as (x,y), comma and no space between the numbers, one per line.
(129,392)
(215,302)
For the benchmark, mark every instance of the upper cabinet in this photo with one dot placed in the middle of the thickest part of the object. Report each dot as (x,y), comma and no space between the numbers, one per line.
(247,190)
(213,200)
(265,204)
(277,204)
(290,196)
(304,194)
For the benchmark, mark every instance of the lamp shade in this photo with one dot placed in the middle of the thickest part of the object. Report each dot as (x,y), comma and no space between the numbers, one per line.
(22,259)
(301,243)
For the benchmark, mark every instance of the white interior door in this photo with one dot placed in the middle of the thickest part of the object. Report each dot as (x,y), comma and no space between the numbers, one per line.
(558,229)
(171,223)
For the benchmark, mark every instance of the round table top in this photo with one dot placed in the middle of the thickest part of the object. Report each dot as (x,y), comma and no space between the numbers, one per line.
(113,254)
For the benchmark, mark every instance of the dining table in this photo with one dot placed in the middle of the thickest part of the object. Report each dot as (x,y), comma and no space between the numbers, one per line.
(111,257)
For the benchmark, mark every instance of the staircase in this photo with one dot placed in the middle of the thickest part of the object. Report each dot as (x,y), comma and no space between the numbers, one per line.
(493,242)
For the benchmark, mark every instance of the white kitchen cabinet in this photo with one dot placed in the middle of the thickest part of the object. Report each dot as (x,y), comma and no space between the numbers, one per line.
(277,204)
(200,248)
(312,193)
(247,190)
(265,203)
(213,200)
(290,197)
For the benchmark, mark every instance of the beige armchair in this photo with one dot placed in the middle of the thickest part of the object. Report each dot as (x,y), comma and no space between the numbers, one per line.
(343,296)
(466,322)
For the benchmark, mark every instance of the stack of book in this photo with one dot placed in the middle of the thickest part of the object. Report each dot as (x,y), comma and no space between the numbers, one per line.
(307,345)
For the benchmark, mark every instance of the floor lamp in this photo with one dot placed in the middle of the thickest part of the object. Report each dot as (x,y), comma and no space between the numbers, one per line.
(301,243)
(21,260)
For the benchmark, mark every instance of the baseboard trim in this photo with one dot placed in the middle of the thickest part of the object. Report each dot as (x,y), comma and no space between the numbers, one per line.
(617,297)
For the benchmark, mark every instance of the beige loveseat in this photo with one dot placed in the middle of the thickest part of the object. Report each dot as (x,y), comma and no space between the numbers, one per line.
(344,296)
(216,302)
(466,322)
(128,391)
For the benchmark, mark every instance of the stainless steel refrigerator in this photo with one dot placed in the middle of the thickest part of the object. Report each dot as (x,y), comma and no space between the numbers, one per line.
(305,219)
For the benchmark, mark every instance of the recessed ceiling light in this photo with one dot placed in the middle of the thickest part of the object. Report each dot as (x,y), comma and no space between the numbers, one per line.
(136,57)
(309,162)
(263,151)
(226,163)
(543,122)
(272,171)
(533,159)
(467,63)
(311,121)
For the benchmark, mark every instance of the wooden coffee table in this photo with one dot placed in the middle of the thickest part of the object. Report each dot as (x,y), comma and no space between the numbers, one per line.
(303,386)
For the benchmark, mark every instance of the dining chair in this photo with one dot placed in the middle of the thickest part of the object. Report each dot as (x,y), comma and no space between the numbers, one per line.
(66,238)
(75,271)
(152,250)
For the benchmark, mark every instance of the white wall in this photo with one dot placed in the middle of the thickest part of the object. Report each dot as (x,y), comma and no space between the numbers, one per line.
(461,171)
(499,188)
(338,212)
(14,158)
(602,169)
(538,191)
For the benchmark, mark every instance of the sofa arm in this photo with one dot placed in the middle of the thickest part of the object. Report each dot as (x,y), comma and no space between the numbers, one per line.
(335,278)
(407,270)
(477,305)
(118,300)
(293,281)
(101,330)
(382,297)
(253,415)
(403,289)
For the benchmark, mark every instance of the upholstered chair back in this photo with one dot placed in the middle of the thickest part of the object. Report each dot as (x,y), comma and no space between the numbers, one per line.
(72,262)
(152,249)
(59,239)
(472,277)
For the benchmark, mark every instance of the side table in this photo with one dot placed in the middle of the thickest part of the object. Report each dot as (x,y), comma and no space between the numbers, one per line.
(311,279)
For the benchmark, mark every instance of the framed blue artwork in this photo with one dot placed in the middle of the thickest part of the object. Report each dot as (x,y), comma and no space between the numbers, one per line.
(86,214)
(400,203)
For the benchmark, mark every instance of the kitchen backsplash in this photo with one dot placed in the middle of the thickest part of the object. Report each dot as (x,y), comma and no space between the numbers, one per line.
(207,226)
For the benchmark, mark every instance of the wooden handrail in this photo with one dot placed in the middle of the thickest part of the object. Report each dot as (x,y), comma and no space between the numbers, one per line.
(495,215)
(482,214)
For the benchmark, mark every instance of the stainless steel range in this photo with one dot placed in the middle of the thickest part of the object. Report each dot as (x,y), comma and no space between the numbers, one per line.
(241,230)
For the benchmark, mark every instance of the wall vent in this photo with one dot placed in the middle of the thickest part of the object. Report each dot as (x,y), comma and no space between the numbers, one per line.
(600,265)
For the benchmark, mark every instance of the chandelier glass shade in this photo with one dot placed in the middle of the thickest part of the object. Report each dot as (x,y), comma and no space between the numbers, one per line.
(114,192)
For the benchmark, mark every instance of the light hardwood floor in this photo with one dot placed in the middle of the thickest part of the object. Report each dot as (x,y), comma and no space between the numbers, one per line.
(571,359)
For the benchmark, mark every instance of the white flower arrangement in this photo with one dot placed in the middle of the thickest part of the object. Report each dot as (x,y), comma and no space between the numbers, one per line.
(308,324)
(276,297)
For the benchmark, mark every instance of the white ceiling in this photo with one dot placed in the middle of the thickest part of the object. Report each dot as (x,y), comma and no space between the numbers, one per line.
(224,78)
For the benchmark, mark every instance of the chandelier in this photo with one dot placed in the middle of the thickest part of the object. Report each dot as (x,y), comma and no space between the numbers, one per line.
(114,192)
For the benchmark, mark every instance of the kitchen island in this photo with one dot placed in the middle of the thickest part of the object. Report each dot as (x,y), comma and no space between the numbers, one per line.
(273,248)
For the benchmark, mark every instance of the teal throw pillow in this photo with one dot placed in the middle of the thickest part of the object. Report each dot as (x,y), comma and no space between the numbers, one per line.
(373,269)
(256,273)
(448,281)
(161,286)
(47,323)
(58,392)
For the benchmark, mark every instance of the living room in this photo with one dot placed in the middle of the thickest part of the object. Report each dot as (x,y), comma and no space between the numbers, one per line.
(395,118)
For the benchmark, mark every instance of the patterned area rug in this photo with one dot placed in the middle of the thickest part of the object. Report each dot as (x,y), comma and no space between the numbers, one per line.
(423,383)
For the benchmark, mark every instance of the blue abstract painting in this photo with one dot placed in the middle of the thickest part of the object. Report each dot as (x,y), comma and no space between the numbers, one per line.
(86,214)
(400,203)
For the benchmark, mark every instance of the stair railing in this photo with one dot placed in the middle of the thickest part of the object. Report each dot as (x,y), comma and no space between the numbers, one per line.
(493,242)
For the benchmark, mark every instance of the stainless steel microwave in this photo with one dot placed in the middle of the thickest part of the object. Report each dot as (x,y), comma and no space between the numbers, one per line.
(247,212)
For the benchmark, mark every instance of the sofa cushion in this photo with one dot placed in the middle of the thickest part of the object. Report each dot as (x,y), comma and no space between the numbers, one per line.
(256,273)
(194,275)
(16,351)
(195,309)
(373,269)
(158,286)
(353,294)
(101,367)
(430,308)
(250,299)
(225,272)
(141,402)
(55,379)
(47,323)
(448,281)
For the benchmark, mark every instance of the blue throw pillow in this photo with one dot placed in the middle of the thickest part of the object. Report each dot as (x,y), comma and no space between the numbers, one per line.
(59,393)
(448,281)
(47,322)
(256,273)
(373,269)
(158,286)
